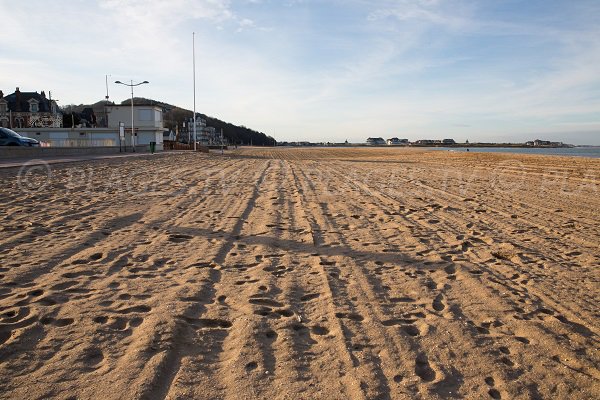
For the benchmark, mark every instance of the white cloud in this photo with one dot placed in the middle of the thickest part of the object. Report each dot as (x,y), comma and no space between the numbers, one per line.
(159,13)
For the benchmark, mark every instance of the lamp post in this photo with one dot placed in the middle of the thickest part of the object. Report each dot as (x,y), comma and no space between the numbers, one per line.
(106,103)
(131,85)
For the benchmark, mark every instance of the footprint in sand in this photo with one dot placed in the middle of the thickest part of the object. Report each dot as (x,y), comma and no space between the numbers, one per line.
(507,361)
(522,339)
(118,323)
(179,238)
(135,309)
(212,323)
(36,293)
(61,322)
(438,303)
(92,357)
(299,328)
(308,297)
(271,334)
(411,330)
(494,393)
(403,299)
(422,368)
(102,319)
(251,366)
(285,312)
(319,330)
(450,269)
(350,316)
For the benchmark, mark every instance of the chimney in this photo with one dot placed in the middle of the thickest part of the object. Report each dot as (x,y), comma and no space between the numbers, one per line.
(17,100)
(1,94)
(43,94)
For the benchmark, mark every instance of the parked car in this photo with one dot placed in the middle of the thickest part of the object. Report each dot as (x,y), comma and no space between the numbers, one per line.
(11,138)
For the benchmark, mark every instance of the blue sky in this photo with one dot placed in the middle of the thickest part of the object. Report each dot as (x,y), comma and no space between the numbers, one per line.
(501,70)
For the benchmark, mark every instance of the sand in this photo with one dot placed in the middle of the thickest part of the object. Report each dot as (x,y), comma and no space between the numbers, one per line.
(302,274)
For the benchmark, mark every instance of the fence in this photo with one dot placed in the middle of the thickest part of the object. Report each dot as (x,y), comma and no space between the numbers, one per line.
(173,145)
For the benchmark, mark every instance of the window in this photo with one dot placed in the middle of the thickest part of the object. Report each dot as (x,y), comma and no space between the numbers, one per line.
(4,122)
(33,107)
(3,107)
(157,116)
(145,115)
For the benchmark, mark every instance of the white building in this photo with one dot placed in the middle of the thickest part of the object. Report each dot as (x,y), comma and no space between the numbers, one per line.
(148,127)
(147,123)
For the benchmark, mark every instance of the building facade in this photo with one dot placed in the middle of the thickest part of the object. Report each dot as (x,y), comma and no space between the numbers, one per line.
(395,142)
(147,123)
(29,110)
(375,141)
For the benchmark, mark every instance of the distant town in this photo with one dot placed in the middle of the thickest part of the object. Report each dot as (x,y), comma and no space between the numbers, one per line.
(379,141)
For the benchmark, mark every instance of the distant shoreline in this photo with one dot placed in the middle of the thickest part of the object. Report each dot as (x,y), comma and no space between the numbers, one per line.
(501,145)
(465,145)
(440,145)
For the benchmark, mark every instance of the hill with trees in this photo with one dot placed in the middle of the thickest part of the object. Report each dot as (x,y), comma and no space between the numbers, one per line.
(175,116)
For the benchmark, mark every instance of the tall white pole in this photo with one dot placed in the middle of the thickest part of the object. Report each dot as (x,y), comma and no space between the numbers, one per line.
(132,130)
(106,104)
(194,67)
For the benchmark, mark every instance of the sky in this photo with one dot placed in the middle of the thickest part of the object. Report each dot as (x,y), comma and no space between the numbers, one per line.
(325,70)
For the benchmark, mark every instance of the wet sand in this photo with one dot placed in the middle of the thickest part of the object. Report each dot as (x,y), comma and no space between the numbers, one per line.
(302,274)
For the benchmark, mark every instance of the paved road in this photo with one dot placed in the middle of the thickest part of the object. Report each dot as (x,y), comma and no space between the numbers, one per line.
(18,162)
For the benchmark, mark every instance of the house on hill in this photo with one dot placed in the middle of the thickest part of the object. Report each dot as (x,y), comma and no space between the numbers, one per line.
(396,142)
(375,141)
(29,110)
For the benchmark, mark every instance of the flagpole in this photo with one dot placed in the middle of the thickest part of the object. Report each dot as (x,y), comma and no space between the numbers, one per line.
(194,66)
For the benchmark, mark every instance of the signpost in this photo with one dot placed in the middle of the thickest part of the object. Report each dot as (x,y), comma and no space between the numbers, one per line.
(122,136)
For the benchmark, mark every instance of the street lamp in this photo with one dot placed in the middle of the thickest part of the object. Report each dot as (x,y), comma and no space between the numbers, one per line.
(131,85)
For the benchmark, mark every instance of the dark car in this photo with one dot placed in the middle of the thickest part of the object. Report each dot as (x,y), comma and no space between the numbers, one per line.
(11,138)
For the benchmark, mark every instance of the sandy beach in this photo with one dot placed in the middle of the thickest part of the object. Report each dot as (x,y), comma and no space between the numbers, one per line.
(302,274)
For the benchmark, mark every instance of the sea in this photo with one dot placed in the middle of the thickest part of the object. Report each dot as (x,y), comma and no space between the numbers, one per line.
(593,152)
